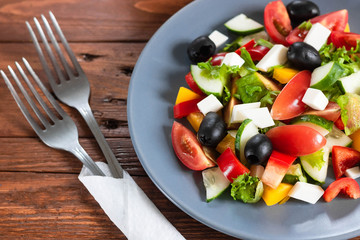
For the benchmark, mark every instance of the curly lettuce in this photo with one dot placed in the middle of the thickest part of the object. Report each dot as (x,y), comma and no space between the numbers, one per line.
(247,188)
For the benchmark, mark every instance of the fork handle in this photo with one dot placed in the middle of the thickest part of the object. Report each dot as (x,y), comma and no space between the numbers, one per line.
(82,155)
(114,165)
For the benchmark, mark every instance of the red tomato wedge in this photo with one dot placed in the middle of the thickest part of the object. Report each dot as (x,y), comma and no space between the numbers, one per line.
(247,46)
(188,149)
(192,84)
(258,52)
(332,112)
(288,103)
(344,39)
(346,185)
(276,168)
(277,22)
(185,108)
(334,21)
(343,158)
(230,165)
(296,140)
(339,124)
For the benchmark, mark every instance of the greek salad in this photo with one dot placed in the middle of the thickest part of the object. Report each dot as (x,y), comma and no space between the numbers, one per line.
(275,108)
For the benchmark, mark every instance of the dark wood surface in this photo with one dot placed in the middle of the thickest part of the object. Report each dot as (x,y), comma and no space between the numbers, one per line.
(40,194)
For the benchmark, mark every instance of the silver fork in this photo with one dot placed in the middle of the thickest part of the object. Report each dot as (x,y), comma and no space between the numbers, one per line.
(60,132)
(73,89)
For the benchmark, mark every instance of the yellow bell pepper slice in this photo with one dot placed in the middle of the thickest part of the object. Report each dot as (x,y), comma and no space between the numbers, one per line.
(283,75)
(185,94)
(273,196)
(356,140)
(195,119)
(347,28)
(227,142)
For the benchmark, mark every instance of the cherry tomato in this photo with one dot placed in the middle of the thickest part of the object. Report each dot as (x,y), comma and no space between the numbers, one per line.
(343,158)
(332,112)
(230,165)
(346,39)
(345,185)
(277,21)
(288,103)
(217,59)
(296,140)
(185,108)
(188,149)
(334,21)
(192,84)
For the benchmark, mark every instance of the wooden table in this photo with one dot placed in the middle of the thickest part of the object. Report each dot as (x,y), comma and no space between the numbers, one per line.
(40,194)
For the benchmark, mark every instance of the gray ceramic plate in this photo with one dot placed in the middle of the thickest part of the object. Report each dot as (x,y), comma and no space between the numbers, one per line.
(158,74)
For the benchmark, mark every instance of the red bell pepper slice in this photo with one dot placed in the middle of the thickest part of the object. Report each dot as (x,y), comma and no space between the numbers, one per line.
(343,158)
(230,165)
(276,168)
(247,46)
(258,52)
(345,185)
(185,108)
(192,84)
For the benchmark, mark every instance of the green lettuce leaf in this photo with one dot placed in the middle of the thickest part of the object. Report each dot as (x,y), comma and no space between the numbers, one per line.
(247,188)
(350,114)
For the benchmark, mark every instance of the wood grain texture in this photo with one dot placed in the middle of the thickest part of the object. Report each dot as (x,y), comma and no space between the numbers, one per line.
(40,195)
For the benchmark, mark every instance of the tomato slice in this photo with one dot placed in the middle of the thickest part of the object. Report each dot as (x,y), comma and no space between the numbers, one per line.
(334,21)
(346,39)
(339,124)
(277,22)
(230,165)
(296,140)
(345,185)
(343,158)
(332,112)
(188,149)
(250,44)
(192,84)
(276,168)
(288,103)
(185,108)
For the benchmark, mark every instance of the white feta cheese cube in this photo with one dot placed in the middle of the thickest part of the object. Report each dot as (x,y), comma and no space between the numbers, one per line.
(353,172)
(315,99)
(260,116)
(209,104)
(232,59)
(306,192)
(237,116)
(218,38)
(277,55)
(317,36)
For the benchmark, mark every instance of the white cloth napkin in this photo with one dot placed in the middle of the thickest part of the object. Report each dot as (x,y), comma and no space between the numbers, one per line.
(128,207)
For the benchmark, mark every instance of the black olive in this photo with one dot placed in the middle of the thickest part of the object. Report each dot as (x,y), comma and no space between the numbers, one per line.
(201,49)
(302,10)
(212,130)
(258,149)
(303,56)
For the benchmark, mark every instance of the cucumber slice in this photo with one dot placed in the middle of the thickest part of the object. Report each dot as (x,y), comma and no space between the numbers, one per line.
(243,25)
(350,84)
(324,77)
(320,124)
(215,183)
(338,138)
(246,130)
(208,85)
(294,174)
(316,164)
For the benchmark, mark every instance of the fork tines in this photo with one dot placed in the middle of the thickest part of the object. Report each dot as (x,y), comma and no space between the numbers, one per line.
(35,94)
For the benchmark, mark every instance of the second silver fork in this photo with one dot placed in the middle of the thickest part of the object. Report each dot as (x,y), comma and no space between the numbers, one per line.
(73,89)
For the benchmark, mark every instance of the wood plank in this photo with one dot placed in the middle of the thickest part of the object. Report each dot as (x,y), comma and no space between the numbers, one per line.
(31,155)
(108,67)
(89,20)
(57,206)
